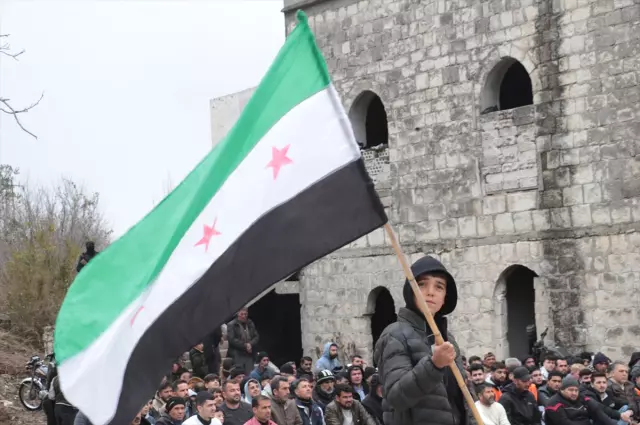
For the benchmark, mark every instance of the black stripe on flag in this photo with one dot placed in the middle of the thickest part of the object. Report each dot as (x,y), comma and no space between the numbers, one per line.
(328,215)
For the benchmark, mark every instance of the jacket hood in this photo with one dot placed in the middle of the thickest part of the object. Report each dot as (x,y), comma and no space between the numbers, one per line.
(327,346)
(425,265)
(247,396)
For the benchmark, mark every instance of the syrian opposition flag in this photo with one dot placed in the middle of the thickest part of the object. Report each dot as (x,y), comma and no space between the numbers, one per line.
(285,187)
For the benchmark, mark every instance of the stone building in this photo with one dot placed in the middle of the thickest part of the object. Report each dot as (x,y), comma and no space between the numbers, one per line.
(502,136)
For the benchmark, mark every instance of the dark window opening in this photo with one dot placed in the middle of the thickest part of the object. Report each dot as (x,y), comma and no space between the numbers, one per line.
(520,309)
(516,89)
(384,314)
(369,120)
(294,277)
(376,124)
(278,322)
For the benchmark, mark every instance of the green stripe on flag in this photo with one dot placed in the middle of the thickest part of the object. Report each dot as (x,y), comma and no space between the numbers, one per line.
(120,274)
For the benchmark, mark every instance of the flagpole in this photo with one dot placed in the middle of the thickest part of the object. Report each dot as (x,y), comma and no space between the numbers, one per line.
(422,305)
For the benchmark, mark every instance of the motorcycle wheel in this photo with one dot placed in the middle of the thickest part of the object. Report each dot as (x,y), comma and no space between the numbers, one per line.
(29,396)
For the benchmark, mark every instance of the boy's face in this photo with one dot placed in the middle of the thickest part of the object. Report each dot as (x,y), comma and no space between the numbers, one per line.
(434,291)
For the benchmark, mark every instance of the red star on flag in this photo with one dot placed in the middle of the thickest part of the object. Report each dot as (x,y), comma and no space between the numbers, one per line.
(209,232)
(133,319)
(279,159)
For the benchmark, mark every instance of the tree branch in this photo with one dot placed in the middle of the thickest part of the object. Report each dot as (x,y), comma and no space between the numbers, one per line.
(5,49)
(9,110)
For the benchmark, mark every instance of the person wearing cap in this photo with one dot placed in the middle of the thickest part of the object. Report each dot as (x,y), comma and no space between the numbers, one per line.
(601,363)
(566,407)
(323,393)
(174,412)
(489,361)
(355,374)
(419,388)
(262,370)
(518,402)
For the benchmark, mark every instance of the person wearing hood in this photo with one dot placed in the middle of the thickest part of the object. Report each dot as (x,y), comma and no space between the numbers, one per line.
(323,393)
(329,359)
(86,256)
(373,401)
(419,388)
(252,389)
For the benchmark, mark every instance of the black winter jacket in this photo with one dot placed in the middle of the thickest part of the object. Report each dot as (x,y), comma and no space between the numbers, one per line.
(561,411)
(198,363)
(607,405)
(414,389)
(521,407)
(321,398)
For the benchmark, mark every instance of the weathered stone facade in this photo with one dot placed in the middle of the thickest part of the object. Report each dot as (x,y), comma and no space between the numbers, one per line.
(553,186)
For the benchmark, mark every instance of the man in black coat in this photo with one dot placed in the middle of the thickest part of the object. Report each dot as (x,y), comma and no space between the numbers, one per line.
(418,386)
(518,402)
(86,256)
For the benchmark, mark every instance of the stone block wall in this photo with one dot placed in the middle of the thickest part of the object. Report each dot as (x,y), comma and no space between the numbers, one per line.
(547,186)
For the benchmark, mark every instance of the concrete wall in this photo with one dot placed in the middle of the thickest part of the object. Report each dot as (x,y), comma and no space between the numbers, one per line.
(553,186)
(225,111)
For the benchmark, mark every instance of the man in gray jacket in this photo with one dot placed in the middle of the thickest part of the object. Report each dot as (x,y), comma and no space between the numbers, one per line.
(418,386)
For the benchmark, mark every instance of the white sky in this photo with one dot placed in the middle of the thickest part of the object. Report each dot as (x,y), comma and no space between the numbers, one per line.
(126,88)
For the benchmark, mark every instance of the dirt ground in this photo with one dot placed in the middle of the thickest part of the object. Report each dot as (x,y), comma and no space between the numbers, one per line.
(13,356)
(11,410)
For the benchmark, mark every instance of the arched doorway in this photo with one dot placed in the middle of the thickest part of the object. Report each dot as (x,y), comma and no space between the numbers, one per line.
(384,311)
(516,284)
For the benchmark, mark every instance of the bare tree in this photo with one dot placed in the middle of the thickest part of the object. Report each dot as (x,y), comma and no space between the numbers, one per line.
(5,103)
(43,230)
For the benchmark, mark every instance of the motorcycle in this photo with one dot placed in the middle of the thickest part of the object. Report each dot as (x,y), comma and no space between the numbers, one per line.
(537,347)
(34,389)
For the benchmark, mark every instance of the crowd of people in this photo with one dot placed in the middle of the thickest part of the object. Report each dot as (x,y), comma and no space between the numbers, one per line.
(587,389)
(413,384)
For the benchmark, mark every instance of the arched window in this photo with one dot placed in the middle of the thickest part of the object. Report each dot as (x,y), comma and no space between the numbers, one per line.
(508,86)
(369,120)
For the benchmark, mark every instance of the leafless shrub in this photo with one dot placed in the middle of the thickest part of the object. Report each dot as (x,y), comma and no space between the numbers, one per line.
(44,230)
